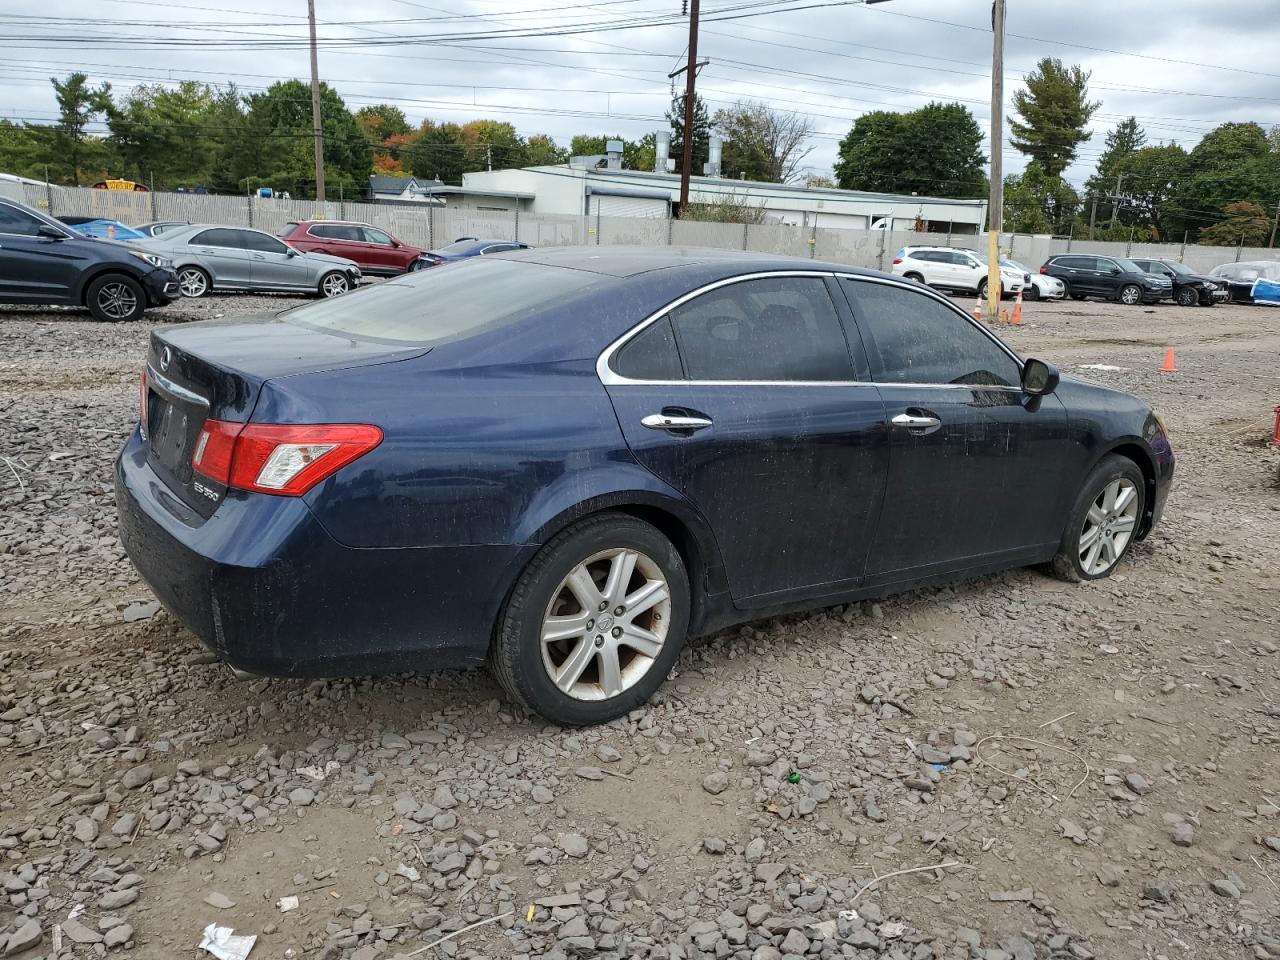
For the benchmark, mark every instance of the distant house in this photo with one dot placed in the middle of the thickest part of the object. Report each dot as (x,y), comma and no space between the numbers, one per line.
(384,189)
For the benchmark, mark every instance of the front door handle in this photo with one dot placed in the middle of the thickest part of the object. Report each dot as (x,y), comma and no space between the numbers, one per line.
(675,422)
(917,424)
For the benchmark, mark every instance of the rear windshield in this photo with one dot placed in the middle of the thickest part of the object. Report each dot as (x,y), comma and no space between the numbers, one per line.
(461,246)
(287,229)
(445,303)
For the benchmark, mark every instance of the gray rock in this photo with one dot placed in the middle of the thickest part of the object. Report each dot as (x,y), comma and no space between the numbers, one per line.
(755,850)
(24,938)
(575,845)
(713,845)
(1183,835)
(1138,784)
(86,830)
(1019,948)
(541,794)
(1224,888)
(219,901)
(302,797)
(78,932)
(766,952)
(115,899)
(444,798)
(118,936)
(1160,892)
(716,783)
(795,942)
(608,754)
(136,777)
(590,773)
(862,939)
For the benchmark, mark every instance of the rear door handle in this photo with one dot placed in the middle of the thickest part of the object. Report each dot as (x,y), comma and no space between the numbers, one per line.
(916,423)
(674,422)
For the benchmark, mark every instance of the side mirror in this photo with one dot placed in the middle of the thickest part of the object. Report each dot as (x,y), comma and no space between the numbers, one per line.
(396,243)
(290,252)
(1115,271)
(50,233)
(1039,379)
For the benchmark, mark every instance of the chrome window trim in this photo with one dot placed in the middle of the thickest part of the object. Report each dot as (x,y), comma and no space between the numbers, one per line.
(612,379)
(171,388)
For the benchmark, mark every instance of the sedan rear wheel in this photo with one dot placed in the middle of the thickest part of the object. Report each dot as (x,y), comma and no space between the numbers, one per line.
(334,284)
(1187,297)
(1103,522)
(594,623)
(1130,294)
(193,282)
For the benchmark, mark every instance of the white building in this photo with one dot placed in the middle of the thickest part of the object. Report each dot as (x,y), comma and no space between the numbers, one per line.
(606,192)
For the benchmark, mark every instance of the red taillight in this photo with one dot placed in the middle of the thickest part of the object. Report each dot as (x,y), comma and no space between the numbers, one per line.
(896,261)
(1042,269)
(284,459)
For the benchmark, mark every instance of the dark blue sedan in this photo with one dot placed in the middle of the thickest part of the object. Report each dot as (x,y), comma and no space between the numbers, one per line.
(566,461)
(465,248)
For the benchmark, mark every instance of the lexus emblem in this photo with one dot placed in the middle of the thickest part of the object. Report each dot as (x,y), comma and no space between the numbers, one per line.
(166,355)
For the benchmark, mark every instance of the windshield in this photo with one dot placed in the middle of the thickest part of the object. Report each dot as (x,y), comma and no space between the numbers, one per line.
(1128,266)
(1179,268)
(1014,265)
(445,303)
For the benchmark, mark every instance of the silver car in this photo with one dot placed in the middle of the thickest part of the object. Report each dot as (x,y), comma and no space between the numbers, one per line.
(210,258)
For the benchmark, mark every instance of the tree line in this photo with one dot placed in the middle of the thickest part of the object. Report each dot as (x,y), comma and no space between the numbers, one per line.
(195,135)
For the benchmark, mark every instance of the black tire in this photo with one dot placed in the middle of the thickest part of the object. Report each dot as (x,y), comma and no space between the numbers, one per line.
(1077,296)
(115,298)
(516,655)
(982,289)
(1187,297)
(1130,295)
(913,276)
(1066,564)
(194,282)
(1030,292)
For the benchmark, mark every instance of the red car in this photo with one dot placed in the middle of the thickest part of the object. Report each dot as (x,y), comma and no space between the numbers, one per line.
(376,251)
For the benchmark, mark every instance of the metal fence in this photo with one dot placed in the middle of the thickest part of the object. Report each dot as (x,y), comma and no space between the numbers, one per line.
(430,226)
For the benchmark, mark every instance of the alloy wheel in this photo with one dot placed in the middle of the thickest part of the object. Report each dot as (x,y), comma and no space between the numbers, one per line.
(1108,526)
(606,624)
(334,285)
(1187,297)
(117,301)
(1130,295)
(192,283)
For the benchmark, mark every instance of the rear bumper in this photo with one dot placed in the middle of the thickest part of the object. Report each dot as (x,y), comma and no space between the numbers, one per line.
(263,585)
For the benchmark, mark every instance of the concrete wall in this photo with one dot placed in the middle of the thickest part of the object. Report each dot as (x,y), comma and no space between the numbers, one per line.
(430,226)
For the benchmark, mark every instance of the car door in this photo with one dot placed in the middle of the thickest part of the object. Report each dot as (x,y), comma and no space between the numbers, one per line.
(744,397)
(221,251)
(968,271)
(977,470)
(1109,277)
(381,250)
(272,264)
(36,269)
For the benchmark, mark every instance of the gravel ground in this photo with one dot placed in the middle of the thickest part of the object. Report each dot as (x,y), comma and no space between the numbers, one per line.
(1081,770)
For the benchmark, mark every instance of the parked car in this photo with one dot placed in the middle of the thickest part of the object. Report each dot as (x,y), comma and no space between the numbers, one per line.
(106,229)
(1189,288)
(466,247)
(1111,278)
(566,461)
(375,250)
(1040,286)
(960,271)
(1240,277)
(43,262)
(210,258)
(157,227)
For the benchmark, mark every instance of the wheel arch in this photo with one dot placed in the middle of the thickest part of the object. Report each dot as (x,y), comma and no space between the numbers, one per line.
(1132,448)
(96,273)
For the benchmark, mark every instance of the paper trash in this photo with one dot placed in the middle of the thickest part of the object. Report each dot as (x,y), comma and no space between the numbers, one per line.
(223,943)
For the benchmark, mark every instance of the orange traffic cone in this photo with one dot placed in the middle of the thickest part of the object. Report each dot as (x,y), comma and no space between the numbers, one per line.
(1169,366)
(977,308)
(1017,311)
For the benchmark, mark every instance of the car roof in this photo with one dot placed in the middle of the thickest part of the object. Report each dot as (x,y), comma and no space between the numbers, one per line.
(629,261)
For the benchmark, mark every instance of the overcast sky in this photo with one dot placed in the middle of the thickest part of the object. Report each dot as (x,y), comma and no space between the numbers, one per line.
(832,62)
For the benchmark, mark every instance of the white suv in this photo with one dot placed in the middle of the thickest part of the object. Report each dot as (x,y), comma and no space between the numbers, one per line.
(955,270)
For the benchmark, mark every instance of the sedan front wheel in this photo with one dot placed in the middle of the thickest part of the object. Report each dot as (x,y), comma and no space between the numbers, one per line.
(1103,522)
(1130,294)
(334,284)
(594,623)
(1187,297)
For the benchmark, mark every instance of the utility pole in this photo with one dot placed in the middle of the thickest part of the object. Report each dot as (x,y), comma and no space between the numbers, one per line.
(691,69)
(317,129)
(1115,200)
(1093,215)
(1276,223)
(995,219)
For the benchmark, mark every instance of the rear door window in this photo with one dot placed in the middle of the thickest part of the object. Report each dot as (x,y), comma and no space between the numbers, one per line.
(218,237)
(373,235)
(917,338)
(650,354)
(774,328)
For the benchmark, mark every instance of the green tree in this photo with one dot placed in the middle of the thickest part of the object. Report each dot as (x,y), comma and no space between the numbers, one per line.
(176,136)
(1231,162)
(382,120)
(274,145)
(637,155)
(76,154)
(1124,140)
(1246,224)
(1055,111)
(1035,202)
(934,150)
(701,133)
(491,144)
(542,151)
(761,143)
(1149,177)
(23,151)
(437,153)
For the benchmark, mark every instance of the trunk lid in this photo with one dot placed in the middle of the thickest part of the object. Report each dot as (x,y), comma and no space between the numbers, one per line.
(215,370)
